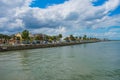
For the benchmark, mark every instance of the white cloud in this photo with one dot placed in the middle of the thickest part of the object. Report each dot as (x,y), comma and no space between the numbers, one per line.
(115,30)
(113,33)
(111,4)
(50,31)
(73,14)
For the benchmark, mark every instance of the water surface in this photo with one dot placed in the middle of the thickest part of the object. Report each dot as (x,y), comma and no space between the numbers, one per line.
(93,61)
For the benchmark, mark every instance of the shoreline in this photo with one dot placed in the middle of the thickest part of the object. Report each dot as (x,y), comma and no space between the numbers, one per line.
(36,46)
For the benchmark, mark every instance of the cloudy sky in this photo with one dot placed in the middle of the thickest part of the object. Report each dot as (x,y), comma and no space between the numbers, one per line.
(95,18)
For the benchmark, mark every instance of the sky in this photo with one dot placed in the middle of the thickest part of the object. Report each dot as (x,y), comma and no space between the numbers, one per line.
(95,18)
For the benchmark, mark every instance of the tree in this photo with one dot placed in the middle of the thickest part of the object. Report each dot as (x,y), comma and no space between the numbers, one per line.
(80,37)
(60,35)
(37,38)
(13,36)
(46,38)
(25,35)
(4,36)
(84,37)
(50,38)
(17,38)
(54,38)
(66,39)
(72,38)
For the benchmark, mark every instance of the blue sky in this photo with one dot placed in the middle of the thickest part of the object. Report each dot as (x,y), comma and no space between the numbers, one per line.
(46,3)
(99,2)
(116,11)
(95,18)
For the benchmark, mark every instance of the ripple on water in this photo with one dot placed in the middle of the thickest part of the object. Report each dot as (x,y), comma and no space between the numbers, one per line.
(96,61)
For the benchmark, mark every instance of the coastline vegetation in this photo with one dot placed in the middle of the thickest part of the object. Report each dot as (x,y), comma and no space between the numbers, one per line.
(25,37)
(26,40)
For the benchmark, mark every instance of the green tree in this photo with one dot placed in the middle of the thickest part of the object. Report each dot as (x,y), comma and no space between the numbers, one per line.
(37,38)
(80,37)
(66,39)
(17,38)
(13,36)
(84,37)
(3,36)
(50,39)
(60,35)
(54,38)
(25,35)
(46,38)
(72,38)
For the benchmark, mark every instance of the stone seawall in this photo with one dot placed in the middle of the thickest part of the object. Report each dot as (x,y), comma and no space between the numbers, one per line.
(35,46)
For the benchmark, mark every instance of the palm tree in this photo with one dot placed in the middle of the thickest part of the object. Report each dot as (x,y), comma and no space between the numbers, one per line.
(84,37)
(72,38)
(54,38)
(25,36)
(66,39)
(5,38)
(50,39)
(60,36)
(37,39)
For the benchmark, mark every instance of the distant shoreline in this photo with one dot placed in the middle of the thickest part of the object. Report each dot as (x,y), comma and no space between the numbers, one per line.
(36,46)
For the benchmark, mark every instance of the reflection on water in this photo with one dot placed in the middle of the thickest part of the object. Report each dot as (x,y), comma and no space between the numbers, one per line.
(95,61)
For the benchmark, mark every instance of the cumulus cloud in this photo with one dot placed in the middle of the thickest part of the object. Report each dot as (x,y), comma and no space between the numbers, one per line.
(111,34)
(10,14)
(72,14)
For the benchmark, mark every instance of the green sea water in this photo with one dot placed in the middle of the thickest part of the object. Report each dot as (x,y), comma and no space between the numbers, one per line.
(92,61)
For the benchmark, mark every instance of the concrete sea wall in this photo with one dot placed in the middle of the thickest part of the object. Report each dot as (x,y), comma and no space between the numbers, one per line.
(35,46)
